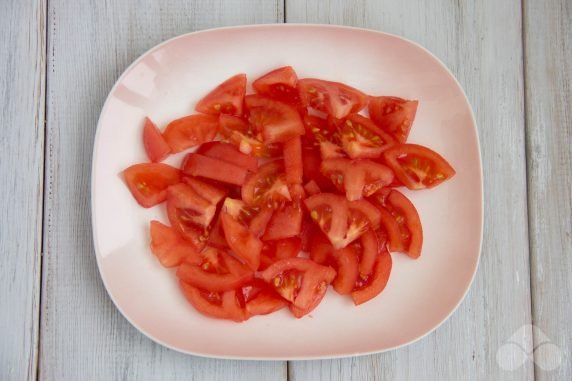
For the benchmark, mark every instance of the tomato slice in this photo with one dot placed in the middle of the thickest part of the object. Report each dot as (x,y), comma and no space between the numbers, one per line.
(285,223)
(260,221)
(358,178)
(219,305)
(361,138)
(279,84)
(210,192)
(329,150)
(293,160)
(312,188)
(169,246)
(229,153)
(277,121)
(240,239)
(155,145)
(369,250)
(239,133)
(317,129)
(260,299)
(214,169)
(300,281)
(311,167)
(347,270)
(226,98)
(389,224)
(273,251)
(334,98)
(216,234)
(190,131)
(394,115)
(148,182)
(374,284)
(405,215)
(267,187)
(418,167)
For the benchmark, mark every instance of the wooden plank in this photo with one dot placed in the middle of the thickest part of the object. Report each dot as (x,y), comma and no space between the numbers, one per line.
(83,336)
(481,43)
(22,106)
(548,79)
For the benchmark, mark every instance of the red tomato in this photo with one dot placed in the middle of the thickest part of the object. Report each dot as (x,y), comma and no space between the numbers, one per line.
(210,192)
(394,115)
(347,270)
(334,98)
(155,145)
(285,223)
(293,160)
(329,150)
(273,251)
(148,182)
(267,187)
(229,153)
(389,224)
(358,178)
(369,251)
(361,138)
(374,284)
(168,245)
(216,234)
(240,239)
(418,167)
(300,281)
(407,218)
(238,132)
(311,162)
(312,188)
(277,121)
(278,84)
(260,299)
(320,248)
(226,98)
(219,305)
(317,129)
(260,221)
(214,169)
(190,131)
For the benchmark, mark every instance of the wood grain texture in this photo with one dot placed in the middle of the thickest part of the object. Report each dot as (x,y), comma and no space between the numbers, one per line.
(22,90)
(481,43)
(548,70)
(83,336)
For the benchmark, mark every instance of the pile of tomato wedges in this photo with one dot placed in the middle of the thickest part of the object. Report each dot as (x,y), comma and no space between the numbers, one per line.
(286,191)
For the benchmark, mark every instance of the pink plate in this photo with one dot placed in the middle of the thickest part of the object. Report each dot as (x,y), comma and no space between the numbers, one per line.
(167,81)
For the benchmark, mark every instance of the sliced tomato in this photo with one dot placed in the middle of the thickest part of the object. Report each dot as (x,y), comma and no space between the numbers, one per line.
(293,160)
(394,115)
(388,223)
(347,270)
(300,281)
(297,193)
(277,121)
(311,188)
(267,187)
(260,299)
(418,167)
(240,239)
(375,283)
(226,98)
(320,248)
(361,138)
(279,84)
(317,129)
(273,251)
(239,133)
(260,220)
(219,305)
(148,182)
(169,246)
(214,271)
(210,192)
(155,145)
(334,98)
(285,223)
(311,167)
(214,169)
(190,131)
(358,178)
(369,250)
(329,150)
(216,234)
(363,209)
(229,153)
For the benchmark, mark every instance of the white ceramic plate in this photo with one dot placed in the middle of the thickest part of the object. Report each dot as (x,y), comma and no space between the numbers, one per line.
(167,81)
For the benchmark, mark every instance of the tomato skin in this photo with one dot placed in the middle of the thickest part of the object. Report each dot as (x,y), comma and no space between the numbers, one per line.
(214,169)
(378,281)
(361,138)
(168,245)
(155,145)
(277,121)
(148,182)
(259,222)
(279,84)
(285,223)
(190,131)
(394,115)
(370,249)
(225,305)
(273,251)
(388,224)
(418,167)
(226,98)
(229,153)
(347,270)
(293,160)
(334,98)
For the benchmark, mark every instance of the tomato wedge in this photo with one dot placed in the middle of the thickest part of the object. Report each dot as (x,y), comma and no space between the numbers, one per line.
(358,178)
(293,160)
(238,132)
(148,182)
(394,115)
(311,169)
(190,131)
(169,246)
(374,284)
(347,270)
(361,138)
(334,98)
(273,251)
(210,192)
(260,299)
(317,129)
(219,305)
(300,281)
(279,84)
(277,121)
(229,153)
(226,98)
(155,145)
(418,167)
(369,250)
(267,187)
(285,223)
(214,169)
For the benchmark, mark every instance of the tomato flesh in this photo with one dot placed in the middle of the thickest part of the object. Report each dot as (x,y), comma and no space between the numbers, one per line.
(394,115)
(273,251)
(361,138)
(334,98)
(155,145)
(238,132)
(218,305)
(168,245)
(279,84)
(190,131)
(277,121)
(214,169)
(229,153)
(148,182)
(226,98)
(285,223)
(267,187)
(293,160)
(376,282)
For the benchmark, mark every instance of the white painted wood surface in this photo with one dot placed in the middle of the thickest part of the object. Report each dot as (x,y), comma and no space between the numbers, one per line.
(481,43)
(548,57)
(22,71)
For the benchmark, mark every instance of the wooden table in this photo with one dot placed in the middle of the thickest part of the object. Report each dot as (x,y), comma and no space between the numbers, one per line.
(58,61)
